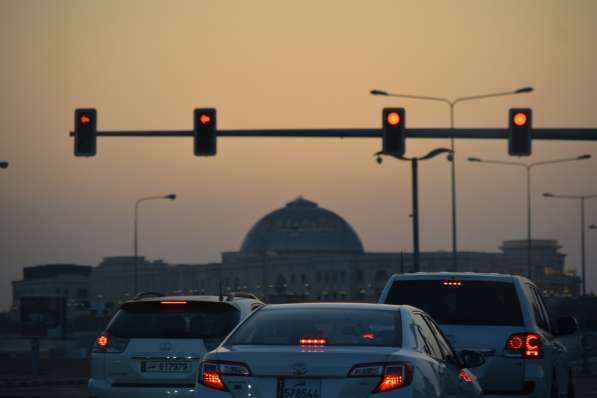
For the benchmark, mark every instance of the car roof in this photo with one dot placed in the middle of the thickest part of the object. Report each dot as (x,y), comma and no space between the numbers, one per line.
(496,277)
(334,305)
(195,299)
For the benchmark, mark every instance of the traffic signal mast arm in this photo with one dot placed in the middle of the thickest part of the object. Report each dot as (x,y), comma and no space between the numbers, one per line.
(576,134)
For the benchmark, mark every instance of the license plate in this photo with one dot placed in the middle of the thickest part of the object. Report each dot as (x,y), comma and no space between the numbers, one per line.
(301,388)
(166,366)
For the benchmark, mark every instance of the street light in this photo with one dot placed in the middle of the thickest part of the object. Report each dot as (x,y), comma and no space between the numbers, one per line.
(528,167)
(136,240)
(415,188)
(452,103)
(582,199)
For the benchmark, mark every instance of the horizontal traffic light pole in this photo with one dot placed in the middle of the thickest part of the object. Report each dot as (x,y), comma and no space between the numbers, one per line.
(580,134)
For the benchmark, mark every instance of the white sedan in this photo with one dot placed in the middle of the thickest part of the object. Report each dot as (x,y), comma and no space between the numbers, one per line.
(343,350)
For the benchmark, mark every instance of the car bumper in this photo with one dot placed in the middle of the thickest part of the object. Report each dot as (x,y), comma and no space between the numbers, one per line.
(534,386)
(102,389)
(204,392)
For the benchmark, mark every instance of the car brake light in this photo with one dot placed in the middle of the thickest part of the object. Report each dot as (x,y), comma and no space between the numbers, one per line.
(532,346)
(393,375)
(528,345)
(452,283)
(102,341)
(313,342)
(110,344)
(211,373)
(466,376)
(173,302)
(213,380)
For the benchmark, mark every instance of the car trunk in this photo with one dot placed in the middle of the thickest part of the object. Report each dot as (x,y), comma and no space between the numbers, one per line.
(164,341)
(307,369)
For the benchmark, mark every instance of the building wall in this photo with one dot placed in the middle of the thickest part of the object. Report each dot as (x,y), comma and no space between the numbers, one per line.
(300,276)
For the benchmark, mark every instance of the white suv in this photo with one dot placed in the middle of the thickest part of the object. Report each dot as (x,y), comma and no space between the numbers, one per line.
(502,316)
(152,346)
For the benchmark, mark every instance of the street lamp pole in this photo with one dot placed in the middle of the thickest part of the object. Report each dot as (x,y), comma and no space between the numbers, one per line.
(452,103)
(528,167)
(415,195)
(136,237)
(582,199)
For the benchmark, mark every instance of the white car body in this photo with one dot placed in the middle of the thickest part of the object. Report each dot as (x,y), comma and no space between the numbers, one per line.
(321,367)
(506,372)
(148,367)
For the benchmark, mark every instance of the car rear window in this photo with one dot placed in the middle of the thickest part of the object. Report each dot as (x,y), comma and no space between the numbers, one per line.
(461,303)
(338,327)
(152,319)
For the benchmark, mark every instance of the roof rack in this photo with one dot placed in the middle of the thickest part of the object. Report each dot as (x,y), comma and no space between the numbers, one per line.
(232,295)
(143,295)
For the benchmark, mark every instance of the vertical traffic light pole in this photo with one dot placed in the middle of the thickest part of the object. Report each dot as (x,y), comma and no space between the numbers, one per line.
(415,182)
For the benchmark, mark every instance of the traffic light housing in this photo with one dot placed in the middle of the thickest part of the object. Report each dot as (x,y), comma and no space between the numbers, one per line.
(519,133)
(85,132)
(393,139)
(205,132)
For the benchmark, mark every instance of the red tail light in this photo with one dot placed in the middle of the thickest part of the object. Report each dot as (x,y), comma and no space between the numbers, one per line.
(527,345)
(466,376)
(393,375)
(102,341)
(213,380)
(211,372)
(110,344)
(313,341)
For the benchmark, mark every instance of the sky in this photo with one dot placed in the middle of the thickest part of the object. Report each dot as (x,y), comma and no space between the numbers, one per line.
(283,64)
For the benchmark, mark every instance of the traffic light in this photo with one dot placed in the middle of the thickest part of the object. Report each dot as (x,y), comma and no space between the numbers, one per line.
(85,132)
(519,134)
(204,132)
(393,139)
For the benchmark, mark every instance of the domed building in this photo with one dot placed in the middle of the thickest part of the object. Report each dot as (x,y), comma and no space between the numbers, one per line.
(302,226)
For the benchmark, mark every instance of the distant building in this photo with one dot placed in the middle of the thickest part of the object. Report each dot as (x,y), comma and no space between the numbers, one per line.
(55,280)
(303,252)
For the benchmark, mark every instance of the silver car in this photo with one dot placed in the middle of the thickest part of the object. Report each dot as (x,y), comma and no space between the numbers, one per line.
(152,346)
(337,350)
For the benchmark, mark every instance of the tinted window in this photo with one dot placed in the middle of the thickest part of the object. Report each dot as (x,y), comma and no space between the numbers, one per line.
(345,327)
(446,348)
(151,319)
(472,303)
(538,309)
(431,344)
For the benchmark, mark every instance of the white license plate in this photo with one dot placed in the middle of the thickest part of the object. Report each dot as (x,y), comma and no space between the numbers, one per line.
(301,388)
(166,366)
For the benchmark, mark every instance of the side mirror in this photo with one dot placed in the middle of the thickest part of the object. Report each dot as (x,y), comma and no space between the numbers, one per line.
(472,359)
(567,325)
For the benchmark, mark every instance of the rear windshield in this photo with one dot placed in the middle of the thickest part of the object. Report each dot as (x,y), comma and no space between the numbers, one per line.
(338,327)
(151,319)
(468,303)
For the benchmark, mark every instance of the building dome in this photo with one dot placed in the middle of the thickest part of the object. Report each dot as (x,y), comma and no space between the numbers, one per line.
(302,226)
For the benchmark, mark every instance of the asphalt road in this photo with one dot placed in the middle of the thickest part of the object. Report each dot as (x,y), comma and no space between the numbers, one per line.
(586,387)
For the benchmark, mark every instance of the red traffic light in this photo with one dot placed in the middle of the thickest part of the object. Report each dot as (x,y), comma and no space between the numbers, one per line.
(519,119)
(85,119)
(393,118)
(204,118)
